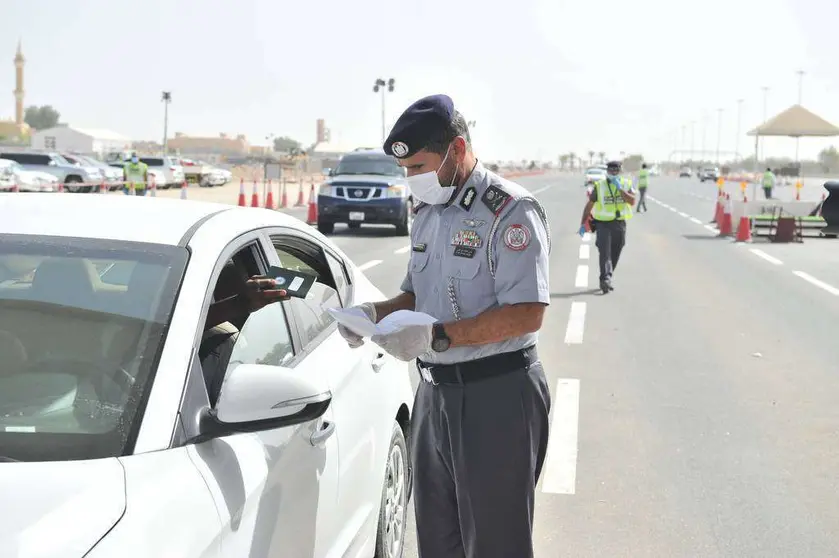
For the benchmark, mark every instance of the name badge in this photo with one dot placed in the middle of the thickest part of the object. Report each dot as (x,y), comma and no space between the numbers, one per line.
(420,247)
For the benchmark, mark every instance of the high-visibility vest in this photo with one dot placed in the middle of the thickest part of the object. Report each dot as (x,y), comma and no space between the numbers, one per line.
(768,179)
(609,202)
(643,178)
(136,173)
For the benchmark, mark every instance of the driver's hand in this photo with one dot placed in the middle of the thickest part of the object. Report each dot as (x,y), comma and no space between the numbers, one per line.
(262,291)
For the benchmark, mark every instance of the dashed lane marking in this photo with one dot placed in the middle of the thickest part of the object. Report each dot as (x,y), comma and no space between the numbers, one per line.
(560,470)
(368,265)
(576,323)
(817,282)
(581,280)
(585,251)
(402,250)
(761,254)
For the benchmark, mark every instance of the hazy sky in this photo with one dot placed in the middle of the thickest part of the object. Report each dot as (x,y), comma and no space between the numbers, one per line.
(540,77)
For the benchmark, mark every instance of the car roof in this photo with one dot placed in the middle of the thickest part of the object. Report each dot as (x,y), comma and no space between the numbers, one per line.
(128,218)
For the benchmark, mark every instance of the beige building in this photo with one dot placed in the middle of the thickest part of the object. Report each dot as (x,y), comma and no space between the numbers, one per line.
(17,128)
(221,145)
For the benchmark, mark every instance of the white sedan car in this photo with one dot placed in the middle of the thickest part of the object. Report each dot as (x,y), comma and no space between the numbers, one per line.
(146,411)
(12,174)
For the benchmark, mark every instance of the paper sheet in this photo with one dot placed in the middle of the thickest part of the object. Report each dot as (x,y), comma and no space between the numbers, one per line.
(357,321)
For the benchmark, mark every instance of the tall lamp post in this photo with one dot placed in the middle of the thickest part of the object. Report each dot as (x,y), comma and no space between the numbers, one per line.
(384,86)
(166,97)
(719,134)
(737,140)
(800,98)
(765,98)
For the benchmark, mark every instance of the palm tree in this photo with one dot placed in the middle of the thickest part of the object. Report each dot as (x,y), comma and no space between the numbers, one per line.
(602,156)
(573,157)
(591,157)
(563,160)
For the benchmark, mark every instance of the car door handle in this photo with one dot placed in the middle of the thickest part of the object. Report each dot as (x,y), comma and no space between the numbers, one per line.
(378,362)
(327,429)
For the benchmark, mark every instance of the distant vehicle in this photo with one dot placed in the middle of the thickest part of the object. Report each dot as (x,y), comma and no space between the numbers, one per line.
(12,174)
(367,187)
(72,176)
(124,412)
(685,172)
(655,170)
(113,176)
(593,174)
(709,173)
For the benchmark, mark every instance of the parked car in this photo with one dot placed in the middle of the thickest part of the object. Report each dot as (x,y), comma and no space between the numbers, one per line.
(163,169)
(126,415)
(685,172)
(594,174)
(74,178)
(367,186)
(709,173)
(113,176)
(13,175)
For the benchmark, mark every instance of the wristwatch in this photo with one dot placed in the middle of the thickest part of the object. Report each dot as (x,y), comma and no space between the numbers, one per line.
(439,340)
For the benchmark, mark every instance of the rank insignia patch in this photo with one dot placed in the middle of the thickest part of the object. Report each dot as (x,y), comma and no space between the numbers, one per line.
(467,238)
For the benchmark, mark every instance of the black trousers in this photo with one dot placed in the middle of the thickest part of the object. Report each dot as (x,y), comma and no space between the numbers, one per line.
(611,237)
(477,452)
(767,192)
(642,199)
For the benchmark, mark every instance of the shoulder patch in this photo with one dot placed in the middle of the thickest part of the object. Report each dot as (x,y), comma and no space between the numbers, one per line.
(495,199)
(517,237)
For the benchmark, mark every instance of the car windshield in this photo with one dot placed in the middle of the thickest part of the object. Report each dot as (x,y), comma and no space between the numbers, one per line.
(82,324)
(381,165)
(61,160)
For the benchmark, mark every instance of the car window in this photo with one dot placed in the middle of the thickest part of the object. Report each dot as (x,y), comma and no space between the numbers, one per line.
(82,323)
(263,339)
(377,164)
(339,273)
(152,161)
(289,261)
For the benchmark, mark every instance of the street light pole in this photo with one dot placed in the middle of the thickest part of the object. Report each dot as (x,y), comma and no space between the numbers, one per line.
(683,142)
(765,97)
(800,97)
(166,97)
(704,133)
(692,139)
(719,134)
(739,116)
(385,86)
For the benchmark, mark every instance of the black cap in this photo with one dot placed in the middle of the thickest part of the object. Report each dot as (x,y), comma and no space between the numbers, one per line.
(613,165)
(418,125)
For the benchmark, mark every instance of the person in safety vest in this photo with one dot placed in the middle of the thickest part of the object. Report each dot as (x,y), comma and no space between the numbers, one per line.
(768,183)
(610,204)
(643,182)
(136,173)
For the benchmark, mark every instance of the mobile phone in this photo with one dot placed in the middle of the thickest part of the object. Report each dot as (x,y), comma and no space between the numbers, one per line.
(295,283)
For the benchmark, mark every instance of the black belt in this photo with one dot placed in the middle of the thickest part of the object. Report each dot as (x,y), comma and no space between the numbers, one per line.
(478,369)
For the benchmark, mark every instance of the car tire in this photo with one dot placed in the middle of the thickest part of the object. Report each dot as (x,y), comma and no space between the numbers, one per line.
(71,185)
(393,513)
(325,227)
(404,228)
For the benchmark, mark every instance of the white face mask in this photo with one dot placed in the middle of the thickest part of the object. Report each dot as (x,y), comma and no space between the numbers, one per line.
(426,187)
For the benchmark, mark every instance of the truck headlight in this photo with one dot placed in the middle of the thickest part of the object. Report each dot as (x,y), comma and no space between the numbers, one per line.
(325,190)
(397,191)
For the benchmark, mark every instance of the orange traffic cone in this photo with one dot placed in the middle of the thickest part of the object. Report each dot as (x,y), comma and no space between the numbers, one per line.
(60,187)
(300,202)
(718,212)
(283,195)
(269,199)
(744,230)
(242,199)
(153,188)
(255,195)
(183,190)
(102,188)
(726,226)
(312,217)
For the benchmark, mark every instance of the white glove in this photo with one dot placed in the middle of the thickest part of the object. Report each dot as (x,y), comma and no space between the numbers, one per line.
(406,344)
(353,339)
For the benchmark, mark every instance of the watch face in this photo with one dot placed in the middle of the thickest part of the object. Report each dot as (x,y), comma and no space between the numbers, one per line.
(440,345)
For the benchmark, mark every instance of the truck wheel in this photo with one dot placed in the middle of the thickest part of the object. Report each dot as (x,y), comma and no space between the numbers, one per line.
(326,228)
(404,228)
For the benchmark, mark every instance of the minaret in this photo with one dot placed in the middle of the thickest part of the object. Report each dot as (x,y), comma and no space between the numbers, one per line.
(19,62)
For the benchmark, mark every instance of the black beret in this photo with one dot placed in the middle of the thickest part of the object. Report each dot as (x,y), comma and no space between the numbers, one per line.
(418,125)
(614,165)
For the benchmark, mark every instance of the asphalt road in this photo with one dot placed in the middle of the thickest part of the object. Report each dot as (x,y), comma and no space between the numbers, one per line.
(695,406)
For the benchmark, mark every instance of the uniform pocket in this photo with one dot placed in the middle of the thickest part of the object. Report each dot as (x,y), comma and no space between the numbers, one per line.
(418,261)
(466,270)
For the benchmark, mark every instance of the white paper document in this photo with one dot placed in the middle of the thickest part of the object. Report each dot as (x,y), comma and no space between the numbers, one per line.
(357,321)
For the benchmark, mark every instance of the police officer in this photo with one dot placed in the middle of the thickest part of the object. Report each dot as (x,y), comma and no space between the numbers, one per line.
(612,200)
(136,174)
(643,182)
(479,266)
(768,183)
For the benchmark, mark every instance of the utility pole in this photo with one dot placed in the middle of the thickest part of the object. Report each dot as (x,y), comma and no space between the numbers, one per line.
(800,98)
(704,133)
(719,134)
(384,86)
(739,117)
(765,97)
(683,143)
(692,139)
(166,97)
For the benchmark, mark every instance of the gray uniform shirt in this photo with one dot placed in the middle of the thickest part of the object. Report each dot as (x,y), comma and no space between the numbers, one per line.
(488,248)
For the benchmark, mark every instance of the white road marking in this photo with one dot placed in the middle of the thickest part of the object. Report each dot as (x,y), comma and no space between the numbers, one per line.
(695,220)
(581,281)
(586,237)
(368,265)
(402,250)
(711,228)
(576,324)
(559,474)
(585,251)
(673,209)
(761,254)
(683,214)
(540,190)
(820,284)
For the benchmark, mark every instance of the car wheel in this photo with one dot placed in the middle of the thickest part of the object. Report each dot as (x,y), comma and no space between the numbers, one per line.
(404,228)
(71,184)
(390,538)
(326,228)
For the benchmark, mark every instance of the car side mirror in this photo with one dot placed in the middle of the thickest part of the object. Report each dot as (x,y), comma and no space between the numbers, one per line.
(257,397)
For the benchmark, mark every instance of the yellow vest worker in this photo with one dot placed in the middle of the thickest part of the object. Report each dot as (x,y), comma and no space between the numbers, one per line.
(768,183)
(136,173)
(643,182)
